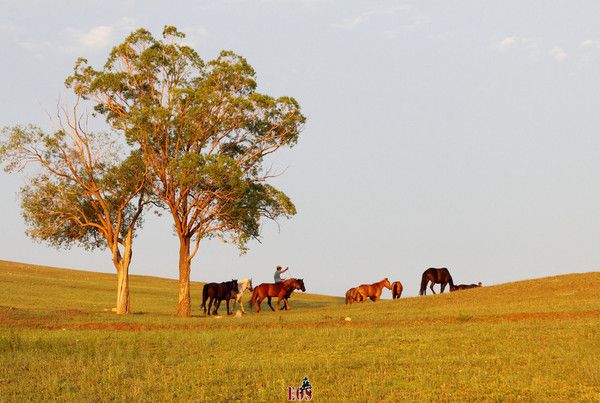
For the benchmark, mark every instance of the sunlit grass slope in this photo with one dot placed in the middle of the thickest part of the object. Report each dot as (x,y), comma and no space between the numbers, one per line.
(529,340)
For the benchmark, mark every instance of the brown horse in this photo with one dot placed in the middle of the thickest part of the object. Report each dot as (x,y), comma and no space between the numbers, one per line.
(279,290)
(372,291)
(436,276)
(287,295)
(396,290)
(219,292)
(458,287)
(350,295)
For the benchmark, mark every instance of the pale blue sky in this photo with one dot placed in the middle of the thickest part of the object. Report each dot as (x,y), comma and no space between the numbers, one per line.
(440,133)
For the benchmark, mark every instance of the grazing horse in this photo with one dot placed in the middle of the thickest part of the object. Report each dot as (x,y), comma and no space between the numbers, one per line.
(287,295)
(372,291)
(396,290)
(279,290)
(243,285)
(436,276)
(458,287)
(219,292)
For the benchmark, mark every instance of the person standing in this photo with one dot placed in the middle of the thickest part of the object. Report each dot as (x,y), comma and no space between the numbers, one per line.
(278,272)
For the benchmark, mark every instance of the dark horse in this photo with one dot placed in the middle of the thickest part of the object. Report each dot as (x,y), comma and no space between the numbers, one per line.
(219,292)
(459,287)
(436,276)
(287,295)
(396,290)
(279,290)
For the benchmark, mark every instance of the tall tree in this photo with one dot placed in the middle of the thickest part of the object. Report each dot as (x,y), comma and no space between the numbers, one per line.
(85,190)
(204,133)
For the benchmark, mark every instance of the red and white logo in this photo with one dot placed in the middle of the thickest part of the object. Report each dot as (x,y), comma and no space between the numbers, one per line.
(303,392)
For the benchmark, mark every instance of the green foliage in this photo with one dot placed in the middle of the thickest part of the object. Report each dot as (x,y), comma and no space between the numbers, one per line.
(81,192)
(202,129)
(55,210)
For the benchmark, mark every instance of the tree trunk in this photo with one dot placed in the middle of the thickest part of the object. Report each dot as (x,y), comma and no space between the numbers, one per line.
(123,289)
(122,265)
(184,306)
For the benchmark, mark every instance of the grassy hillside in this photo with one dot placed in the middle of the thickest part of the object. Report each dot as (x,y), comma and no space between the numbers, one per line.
(530,340)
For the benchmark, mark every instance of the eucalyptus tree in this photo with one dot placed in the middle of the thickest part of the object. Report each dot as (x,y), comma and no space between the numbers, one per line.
(83,190)
(204,133)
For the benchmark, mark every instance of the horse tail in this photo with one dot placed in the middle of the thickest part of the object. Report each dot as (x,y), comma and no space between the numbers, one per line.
(450,281)
(424,281)
(254,296)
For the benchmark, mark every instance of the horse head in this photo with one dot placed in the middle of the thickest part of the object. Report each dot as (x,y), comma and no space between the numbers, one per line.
(294,284)
(386,283)
(234,286)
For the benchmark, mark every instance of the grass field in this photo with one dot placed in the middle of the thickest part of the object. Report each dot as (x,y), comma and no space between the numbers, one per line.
(531,340)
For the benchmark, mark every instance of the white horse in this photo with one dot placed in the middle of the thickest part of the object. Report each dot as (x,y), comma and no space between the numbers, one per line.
(243,285)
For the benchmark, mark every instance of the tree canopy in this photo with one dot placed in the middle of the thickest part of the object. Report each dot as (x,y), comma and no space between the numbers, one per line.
(84,190)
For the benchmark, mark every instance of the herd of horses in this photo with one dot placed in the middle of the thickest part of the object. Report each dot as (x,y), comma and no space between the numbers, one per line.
(215,293)
(234,289)
(430,277)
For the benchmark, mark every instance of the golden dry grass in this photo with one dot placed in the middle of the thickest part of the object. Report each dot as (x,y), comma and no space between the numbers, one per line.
(529,340)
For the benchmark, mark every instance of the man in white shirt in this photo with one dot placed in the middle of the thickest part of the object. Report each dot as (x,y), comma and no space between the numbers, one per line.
(278,274)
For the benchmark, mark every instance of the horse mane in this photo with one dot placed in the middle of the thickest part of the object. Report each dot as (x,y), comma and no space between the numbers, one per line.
(450,281)
(289,282)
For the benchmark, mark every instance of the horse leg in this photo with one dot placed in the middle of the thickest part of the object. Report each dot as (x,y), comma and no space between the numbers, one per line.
(210,302)
(278,302)
(287,306)
(239,301)
(442,288)
(236,300)
(258,302)
(269,303)
(431,286)
(217,305)
(361,297)
(213,304)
